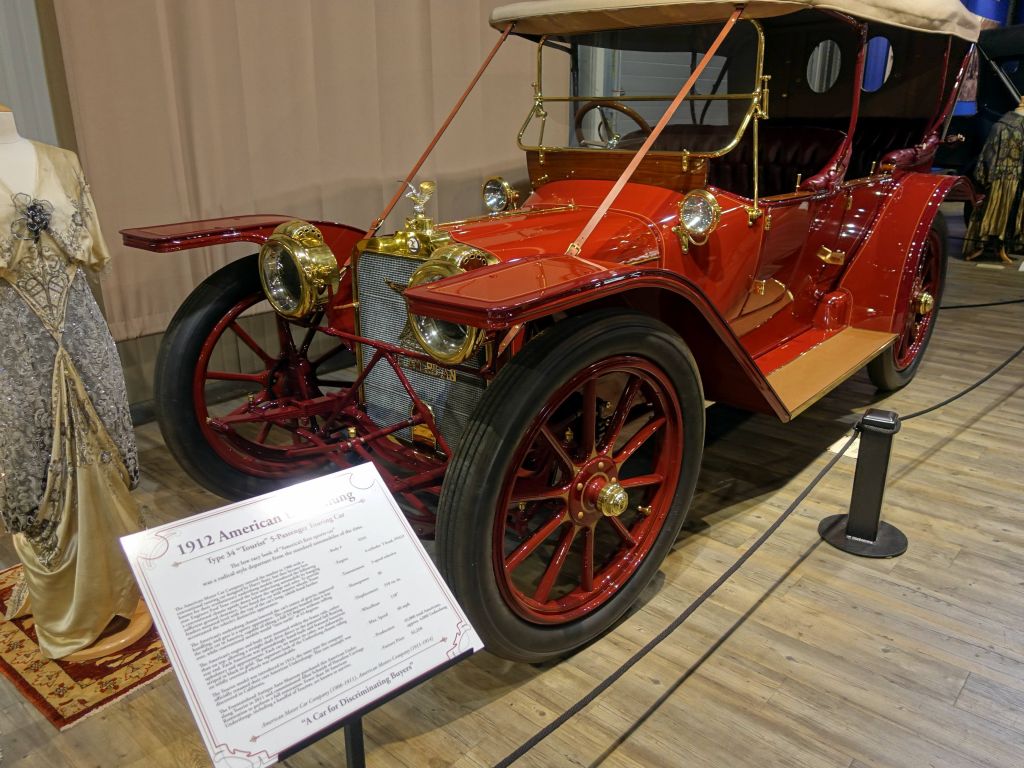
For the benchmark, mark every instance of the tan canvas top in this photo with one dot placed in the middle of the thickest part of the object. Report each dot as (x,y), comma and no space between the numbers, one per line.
(541,17)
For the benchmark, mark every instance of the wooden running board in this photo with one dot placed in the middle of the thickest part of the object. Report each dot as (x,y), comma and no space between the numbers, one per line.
(815,373)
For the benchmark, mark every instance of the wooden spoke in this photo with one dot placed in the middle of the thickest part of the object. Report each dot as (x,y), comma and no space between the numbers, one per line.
(256,378)
(641,480)
(587,566)
(639,439)
(537,538)
(558,447)
(264,433)
(538,492)
(588,415)
(250,342)
(623,531)
(554,568)
(621,413)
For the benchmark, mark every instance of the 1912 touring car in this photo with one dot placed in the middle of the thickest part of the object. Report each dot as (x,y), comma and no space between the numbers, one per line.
(531,383)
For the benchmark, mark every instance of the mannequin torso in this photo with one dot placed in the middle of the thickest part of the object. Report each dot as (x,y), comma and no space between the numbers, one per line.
(18,168)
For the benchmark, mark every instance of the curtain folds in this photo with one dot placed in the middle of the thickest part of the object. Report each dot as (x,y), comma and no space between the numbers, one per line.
(191,109)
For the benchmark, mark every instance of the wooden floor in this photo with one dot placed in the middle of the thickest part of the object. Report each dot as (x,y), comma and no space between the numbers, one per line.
(808,657)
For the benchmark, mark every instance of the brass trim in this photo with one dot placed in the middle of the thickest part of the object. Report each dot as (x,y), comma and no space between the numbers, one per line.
(612,500)
(453,259)
(686,238)
(758,105)
(924,303)
(511,196)
(314,261)
(516,212)
(833,258)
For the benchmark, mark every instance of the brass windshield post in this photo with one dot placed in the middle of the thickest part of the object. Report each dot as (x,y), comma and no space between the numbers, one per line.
(760,113)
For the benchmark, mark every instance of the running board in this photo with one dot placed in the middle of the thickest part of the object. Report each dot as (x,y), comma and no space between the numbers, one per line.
(802,382)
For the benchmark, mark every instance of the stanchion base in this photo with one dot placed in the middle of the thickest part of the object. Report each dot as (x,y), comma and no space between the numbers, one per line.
(891,541)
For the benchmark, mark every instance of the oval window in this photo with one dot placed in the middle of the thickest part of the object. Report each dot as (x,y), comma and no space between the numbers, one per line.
(877,63)
(823,66)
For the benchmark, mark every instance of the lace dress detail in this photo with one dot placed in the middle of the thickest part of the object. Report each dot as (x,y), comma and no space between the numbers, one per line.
(67,450)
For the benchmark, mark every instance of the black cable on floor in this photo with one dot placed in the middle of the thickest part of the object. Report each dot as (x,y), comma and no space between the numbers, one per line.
(971,388)
(657,639)
(984,304)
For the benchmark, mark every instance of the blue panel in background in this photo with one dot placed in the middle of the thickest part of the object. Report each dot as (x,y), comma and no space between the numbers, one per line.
(965,108)
(877,63)
(997,10)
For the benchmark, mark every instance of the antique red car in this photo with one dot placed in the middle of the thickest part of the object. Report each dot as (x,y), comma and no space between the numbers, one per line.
(727,203)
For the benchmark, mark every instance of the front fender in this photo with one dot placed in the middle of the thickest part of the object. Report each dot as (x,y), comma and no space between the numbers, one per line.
(513,293)
(185,235)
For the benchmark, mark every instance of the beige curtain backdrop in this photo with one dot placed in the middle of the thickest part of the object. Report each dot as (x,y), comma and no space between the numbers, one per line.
(191,109)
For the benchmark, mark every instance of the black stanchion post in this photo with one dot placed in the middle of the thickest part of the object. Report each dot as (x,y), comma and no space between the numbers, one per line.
(862,532)
(355,750)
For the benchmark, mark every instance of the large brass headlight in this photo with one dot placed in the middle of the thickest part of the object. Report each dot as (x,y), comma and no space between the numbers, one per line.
(297,269)
(448,343)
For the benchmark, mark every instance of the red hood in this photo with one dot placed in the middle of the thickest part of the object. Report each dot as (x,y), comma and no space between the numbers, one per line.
(547,228)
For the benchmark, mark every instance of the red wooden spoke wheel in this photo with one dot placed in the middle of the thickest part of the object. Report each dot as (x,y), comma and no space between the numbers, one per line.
(571,483)
(918,299)
(221,386)
(588,500)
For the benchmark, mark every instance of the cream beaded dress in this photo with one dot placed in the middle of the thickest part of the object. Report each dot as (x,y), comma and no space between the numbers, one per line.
(67,451)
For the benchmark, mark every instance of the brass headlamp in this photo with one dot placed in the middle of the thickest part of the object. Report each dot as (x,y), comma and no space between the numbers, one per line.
(448,343)
(298,270)
(699,214)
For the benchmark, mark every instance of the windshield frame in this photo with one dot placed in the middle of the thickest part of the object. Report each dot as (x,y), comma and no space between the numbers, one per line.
(758,106)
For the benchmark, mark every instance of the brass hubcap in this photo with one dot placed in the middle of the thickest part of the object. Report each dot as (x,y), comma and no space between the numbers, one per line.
(613,500)
(924,303)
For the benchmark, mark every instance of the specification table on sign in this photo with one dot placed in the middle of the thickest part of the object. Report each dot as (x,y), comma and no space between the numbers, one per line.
(286,613)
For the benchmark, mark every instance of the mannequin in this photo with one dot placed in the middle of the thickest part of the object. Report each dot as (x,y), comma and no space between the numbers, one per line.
(17,155)
(67,451)
(998,172)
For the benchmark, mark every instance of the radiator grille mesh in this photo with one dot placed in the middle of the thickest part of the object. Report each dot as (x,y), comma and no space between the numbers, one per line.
(382,317)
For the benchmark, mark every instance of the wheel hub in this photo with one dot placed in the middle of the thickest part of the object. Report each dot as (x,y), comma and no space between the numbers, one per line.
(612,500)
(596,492)
(924,303)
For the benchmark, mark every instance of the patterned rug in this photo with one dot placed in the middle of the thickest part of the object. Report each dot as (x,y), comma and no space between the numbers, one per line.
(66,692)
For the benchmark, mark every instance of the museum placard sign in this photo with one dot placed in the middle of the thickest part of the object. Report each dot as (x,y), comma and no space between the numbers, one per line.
(286,613)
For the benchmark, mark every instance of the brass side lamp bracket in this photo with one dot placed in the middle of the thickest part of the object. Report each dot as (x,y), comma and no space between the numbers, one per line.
(833,258)
(762,106)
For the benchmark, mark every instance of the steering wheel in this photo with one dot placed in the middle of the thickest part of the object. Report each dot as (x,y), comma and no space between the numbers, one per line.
(609,137)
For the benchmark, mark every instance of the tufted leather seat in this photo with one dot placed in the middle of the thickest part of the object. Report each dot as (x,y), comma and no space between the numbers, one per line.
(877,137)
(785,152)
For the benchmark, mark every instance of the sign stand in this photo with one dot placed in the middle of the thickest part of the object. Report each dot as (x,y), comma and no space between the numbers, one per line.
(355,748)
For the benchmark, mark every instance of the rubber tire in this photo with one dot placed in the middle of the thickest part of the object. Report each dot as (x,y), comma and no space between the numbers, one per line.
(882,371)
(471,488)
(175,369)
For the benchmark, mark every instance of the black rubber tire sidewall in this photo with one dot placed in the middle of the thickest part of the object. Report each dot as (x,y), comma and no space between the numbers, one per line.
(175,371)
(474,479)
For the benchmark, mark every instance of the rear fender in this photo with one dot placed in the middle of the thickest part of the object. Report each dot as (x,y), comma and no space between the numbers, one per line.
(504,295)
(893,246)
